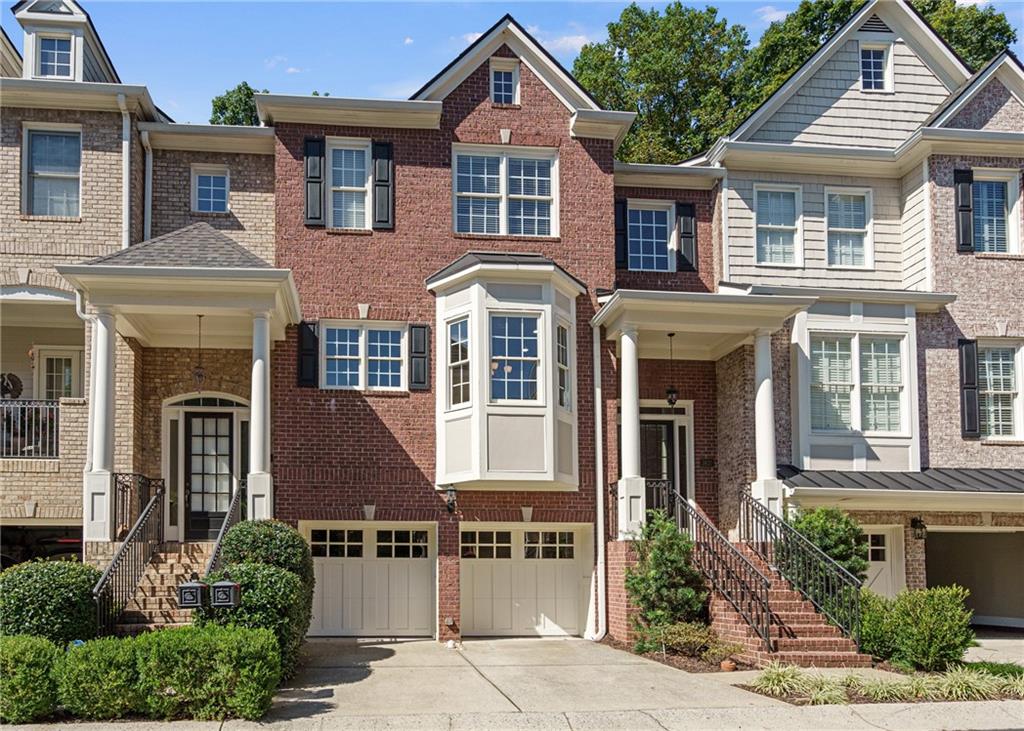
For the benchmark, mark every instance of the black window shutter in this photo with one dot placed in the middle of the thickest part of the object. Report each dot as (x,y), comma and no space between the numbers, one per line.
(621,236)
(314,161)
(686,215)
(419,357)
(383,186)
(970,417)
(309,355)
(963,183)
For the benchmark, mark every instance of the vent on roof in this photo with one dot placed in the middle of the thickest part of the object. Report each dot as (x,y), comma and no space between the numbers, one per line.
(874,24)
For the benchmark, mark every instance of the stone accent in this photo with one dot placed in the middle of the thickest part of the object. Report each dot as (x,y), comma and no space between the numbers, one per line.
(993,108)
(250,218)
(734,375)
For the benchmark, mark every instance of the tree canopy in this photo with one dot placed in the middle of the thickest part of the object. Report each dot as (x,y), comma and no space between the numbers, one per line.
(691,77)
(236,106)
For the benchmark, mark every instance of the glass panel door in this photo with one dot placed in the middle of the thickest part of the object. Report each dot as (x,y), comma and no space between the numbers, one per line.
(208,477)
(657,461)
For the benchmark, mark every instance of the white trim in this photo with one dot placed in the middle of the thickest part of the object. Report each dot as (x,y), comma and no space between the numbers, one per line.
(1017,345)
(929,241)
(888,84)
(41,353)
(542,359)
(74,47)
(198,169)
(1013,218)
(653,204)
(725,228)
(27,128)
(683,416)
(498,63)
(798,228)
(869,227)
(979,83)
(349,143)
(447,362)
(363,327)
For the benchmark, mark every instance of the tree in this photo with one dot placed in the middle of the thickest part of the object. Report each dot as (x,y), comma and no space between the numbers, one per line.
(236,106)
(976,33)
(676,69)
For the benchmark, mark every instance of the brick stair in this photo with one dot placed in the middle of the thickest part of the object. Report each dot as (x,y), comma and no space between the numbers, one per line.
(155,604)
(800,635)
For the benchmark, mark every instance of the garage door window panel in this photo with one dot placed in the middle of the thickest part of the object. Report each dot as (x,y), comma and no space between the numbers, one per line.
(402,544)
(486,544)
(336,543)
(548,544)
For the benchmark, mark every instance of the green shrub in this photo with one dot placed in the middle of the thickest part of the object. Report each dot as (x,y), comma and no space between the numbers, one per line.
(27,689)
(664,585)
(838,535)
(963,684)
(207,673)
(718,651)
(876,632)
(271,542)
(688,638)
(51,599)
(931,627)
(273,599)
(780,680)
(98,680)
(1000,669)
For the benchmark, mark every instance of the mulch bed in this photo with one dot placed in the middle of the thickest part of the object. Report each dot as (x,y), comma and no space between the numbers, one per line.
(680,662)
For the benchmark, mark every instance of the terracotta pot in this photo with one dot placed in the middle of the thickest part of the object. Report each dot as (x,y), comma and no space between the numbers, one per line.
(727,665)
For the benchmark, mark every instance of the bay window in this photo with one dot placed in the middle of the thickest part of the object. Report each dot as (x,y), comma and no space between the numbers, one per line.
(515,357)
(777,223)
(458,362)
(848,216)
(856,383)
(363,356)
(350,183)
(998,391)
(562,348)
(503,192)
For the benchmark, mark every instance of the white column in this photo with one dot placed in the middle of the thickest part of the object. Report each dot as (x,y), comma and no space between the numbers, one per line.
(766,488)
(98,493)
(631,489)
(260,483)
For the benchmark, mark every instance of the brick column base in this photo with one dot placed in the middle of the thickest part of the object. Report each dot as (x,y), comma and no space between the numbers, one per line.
(619,557)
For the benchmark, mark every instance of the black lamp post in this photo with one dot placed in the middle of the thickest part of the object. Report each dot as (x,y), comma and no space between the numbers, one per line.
(449,498)
(920,529)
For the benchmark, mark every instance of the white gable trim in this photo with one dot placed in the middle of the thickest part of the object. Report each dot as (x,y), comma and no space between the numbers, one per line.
(507,32)
(1005,71)
(905,24)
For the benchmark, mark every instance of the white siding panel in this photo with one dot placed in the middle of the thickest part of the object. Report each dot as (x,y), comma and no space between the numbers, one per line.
(830,108)
(915,251)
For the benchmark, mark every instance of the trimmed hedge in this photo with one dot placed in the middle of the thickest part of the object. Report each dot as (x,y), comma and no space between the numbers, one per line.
(273,599)
(27,689)
(207,673)
(51,599)
(838,535)
(98,680)
(271,542)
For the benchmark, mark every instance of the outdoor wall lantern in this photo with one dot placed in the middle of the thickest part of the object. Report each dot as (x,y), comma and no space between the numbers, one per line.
(449,498)
(920,529)
(671,393)
(192,593)
(225,593)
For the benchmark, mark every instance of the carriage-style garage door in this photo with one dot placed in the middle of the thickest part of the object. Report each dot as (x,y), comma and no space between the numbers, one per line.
(526,581)
(373,579)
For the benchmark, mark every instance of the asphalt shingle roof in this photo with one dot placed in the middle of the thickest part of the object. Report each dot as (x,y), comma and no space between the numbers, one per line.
(198,245)
(472,258)
(927,480)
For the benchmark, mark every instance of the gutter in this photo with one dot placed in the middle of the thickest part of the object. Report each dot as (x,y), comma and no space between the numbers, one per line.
(147,200)
(602,581)
(126,171)
(88,319)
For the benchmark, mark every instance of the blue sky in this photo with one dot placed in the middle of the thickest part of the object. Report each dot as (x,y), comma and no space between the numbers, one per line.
(188,52)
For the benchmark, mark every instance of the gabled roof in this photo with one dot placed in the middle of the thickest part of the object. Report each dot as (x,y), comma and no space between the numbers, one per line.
(1005,65)
(69,9)
(901,18)
(199,245)
(10,59)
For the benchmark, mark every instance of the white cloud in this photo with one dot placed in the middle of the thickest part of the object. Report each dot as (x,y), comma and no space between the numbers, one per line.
(470,37)
(293,70)
(770,13)
(274,61)
(566,43)
(408,41)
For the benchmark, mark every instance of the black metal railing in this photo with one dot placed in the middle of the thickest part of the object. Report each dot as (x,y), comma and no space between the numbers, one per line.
(236,512)
(816,575)
(132,493)
(121,578)
(29,429)
(729,572)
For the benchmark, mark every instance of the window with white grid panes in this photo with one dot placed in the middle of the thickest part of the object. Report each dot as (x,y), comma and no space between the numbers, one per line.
(403,544)
(54,57)
(776,215)
(342,357)
(649,237)
(384,358)
(848,217)
(881,384)
(562,348)
(336,543)
(873,70)
(486,544)
(505,193)
(349,175)
(548,544)
(515,358)
(458,362)
(997,391)
(831,382)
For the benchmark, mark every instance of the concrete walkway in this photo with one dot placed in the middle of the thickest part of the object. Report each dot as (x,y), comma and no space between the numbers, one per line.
(998,645)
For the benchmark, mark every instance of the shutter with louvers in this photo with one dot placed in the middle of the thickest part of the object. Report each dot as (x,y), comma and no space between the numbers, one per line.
(621,235)
(419,357)
(970,417)
(687,219)
(309,355)
(383,186)
(963,182)
(315,188)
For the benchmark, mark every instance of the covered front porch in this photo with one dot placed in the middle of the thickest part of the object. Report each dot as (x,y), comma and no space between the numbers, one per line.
(697,399)
(180,336)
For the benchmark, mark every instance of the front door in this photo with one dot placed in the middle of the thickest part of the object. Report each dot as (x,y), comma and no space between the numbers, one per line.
(209,472)
(658,462)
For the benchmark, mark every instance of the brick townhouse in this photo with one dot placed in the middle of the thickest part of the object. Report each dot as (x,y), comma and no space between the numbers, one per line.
(463,349)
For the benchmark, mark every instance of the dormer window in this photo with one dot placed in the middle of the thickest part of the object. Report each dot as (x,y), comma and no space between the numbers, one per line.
(876,67)
(55,57)
(504,81)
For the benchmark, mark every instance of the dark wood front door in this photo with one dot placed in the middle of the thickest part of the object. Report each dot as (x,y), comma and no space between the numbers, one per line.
(209,472)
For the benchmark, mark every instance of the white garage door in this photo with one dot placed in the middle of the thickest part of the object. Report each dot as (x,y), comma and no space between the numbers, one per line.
(373,579)
(524,581)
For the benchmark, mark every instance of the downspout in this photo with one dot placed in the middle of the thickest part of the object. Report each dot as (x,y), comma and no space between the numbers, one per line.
(89,319)
(147,200)
(126,171)
(602,582)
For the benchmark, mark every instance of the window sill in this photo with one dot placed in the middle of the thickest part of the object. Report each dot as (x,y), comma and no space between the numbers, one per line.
(997,256)
(496,105)
(1002,442)
(212,214)
(349,231)
(55,219)
(511,237)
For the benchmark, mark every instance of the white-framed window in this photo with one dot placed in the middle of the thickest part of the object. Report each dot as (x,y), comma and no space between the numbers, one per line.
(652,236)
(848,219)
(52,170)
(504,80)
(363,355)
(58,372)
(54,58)
(857,382)
(876,67)
(777,222)
(211,187)
(515,357)
(350,179)
(503,191)
(996,211)
(459,378)
(562,358)
(999,399)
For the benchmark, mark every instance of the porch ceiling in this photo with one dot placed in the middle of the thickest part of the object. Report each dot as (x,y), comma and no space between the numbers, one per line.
(708,325)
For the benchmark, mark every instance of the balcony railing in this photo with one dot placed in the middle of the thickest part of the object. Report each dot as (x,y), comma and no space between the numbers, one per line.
(29,429)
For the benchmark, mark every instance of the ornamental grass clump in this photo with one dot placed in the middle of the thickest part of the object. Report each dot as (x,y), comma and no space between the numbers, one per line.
(964,684)
(821,690)
(779,681)
(883,690)
(1012,686)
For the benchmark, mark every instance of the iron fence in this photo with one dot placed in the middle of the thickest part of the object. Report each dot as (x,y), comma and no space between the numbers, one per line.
(29,429)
